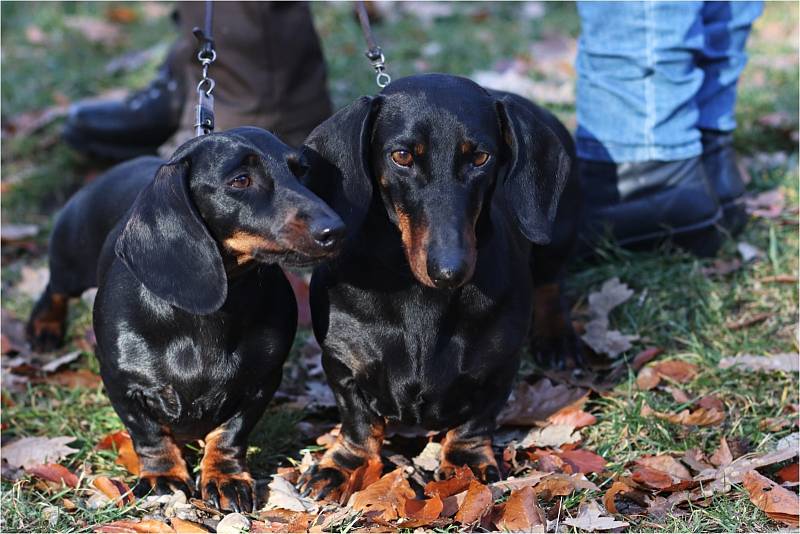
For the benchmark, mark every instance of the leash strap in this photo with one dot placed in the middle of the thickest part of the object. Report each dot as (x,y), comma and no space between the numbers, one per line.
(374,52)
(204,111)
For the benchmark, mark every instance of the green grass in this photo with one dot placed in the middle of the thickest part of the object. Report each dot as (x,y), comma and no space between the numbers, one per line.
(675,306)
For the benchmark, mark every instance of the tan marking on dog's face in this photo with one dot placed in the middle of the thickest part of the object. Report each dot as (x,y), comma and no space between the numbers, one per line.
(415,244)
(245,244)
(419,149)
(466,147)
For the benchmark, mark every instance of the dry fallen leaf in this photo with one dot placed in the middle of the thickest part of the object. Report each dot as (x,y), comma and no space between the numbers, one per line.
(597,334)
(187,527)
(675,370)
(788,363)
(116,490)
(477,503)
(529,404)
(361,478)
(385,499)
(748,321)
(54,473)
(143,526)
(722,456)
(591,518)
(572,416)
(126,455)
(82,378)
(428,459)
(789,473)
(32,282)
(550,436)
(618,487)
(94,30)
(456,484)
(583,461)
(28,452)
(766,205)
(699,417)
(521,513)
(778,503)
(645,357)
(422,511)
(665,463)
(282,494)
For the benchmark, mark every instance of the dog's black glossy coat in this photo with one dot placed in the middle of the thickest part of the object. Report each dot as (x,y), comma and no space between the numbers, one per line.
(193,317)
(423,315)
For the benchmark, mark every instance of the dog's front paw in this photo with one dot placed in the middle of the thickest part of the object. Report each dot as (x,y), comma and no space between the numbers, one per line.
(162,484)
(475,453)
(234,491)
(320,482)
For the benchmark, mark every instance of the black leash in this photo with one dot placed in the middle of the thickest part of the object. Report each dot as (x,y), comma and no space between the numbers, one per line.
(374,52)
(204,112)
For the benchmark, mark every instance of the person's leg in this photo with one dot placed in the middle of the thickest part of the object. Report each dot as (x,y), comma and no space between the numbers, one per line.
(637,140)
(269,71)
(722,58)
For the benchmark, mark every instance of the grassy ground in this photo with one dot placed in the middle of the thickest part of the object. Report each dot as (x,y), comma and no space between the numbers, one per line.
(676,306)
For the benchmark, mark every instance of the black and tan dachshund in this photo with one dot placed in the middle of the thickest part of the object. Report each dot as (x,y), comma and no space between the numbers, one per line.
(193,316)
(461,206)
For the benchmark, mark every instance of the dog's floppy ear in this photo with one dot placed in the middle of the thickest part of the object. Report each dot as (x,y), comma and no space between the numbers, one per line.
(260,138)
(537,169)
(166,245)
(337,152)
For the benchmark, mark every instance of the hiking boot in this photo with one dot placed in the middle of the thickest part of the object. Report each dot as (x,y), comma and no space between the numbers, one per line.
(639,205)
(723,174)
(122,129)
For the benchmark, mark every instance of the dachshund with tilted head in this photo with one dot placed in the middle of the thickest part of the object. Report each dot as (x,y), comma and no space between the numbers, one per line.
(461,206)
(193,316)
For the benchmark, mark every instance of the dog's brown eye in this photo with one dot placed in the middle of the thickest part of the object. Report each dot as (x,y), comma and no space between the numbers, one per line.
(241,182)
(480,158)
(402,158)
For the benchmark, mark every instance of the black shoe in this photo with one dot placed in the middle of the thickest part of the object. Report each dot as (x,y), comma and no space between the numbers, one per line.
(639,205)
(723,174)
(124,129)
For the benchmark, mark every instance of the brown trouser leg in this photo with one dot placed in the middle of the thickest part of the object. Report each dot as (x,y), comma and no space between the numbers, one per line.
(269,71)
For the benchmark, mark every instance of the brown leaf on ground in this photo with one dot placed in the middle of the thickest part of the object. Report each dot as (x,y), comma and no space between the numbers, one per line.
(678,395)
(675,370)
(779,279)
(116,490)
(143,526)
(456,484)
(530,479)
(766,205)
(572,416)
(562,484)
(722,456)
(666,464)
(591,518)
(583,461)
(661,481)
(695,459)
(529,404)
(618,487)
(422,511)
(720,480)
(645,356)
(550,436)
(722,267)
(778,503)
(282,494)
(54,473)
(777,362)
(361,478)
(284,521)
(698,417)
(126,455)
(384,500)
(521,513)
(789,473)
(477,503)
(597,334)
(28,452)
(182,526)
(748,321)
(82,378)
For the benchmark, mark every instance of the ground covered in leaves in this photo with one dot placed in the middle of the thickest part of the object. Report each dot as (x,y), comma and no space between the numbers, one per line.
(686,421)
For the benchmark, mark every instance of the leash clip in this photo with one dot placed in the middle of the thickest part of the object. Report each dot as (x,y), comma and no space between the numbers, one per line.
(204,111)
(375,55)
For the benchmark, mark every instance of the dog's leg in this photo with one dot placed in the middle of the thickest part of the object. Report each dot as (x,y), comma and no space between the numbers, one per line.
(47,325)
(553,342)
(162,468)
(470,445)
(359,442)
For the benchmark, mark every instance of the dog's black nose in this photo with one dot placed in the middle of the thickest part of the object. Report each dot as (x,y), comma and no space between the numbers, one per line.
(447,273)
(328,233)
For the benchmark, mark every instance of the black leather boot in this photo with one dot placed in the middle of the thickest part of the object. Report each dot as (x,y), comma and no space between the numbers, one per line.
(723,174)
(639,205)
(123,129)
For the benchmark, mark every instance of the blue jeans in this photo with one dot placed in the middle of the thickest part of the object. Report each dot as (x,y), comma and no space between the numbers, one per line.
(652,74)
